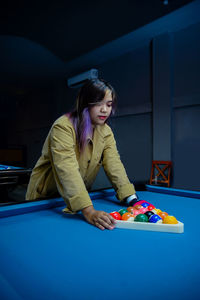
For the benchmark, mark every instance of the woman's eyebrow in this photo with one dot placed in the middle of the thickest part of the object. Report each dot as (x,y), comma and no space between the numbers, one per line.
(99,102)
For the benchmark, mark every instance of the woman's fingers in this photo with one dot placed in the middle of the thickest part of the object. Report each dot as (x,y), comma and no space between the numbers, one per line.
(100,219)
(106,221)
(97,224)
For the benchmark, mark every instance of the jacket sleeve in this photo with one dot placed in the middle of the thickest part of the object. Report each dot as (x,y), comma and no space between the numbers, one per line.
(66,169)
(115,170)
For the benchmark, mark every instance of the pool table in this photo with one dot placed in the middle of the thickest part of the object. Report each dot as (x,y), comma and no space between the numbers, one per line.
(10,175)
(10,178)
(45,254)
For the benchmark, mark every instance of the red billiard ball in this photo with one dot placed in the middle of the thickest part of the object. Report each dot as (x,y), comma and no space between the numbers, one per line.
(150,207)
(116,215)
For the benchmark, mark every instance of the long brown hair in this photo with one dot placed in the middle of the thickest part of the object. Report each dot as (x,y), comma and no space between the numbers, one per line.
(92,92)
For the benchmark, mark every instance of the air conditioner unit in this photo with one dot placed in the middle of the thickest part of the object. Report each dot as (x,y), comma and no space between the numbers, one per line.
(80,79)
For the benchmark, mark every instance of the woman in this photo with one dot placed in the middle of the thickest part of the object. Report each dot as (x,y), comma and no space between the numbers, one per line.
(77,145)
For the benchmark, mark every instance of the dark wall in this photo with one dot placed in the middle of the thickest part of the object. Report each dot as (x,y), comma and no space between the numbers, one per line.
(178,73)
(32,88)
(132,126)
(186,138)
(29,104)
(187,62)
(130,75)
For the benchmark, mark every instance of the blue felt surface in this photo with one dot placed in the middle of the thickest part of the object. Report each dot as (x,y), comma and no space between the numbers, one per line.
(48,255)
(171,191)
(5,167)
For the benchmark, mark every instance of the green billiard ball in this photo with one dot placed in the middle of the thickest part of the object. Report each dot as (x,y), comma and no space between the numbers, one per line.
(123,211)
(141,218)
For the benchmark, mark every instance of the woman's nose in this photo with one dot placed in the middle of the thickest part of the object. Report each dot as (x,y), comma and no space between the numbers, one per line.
(103,108)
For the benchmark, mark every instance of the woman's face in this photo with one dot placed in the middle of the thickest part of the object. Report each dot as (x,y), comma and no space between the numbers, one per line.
(100,111)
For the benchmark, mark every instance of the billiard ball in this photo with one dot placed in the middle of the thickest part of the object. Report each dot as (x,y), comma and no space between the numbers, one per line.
(141,201)
(163,214)
(136,212)
(156,211)
(127,216)
(145,204)
(150,207)
(143,210)
(141,218)
(170,220)
(155,219)
(130,209)
(137,206)
(149,214)
(116,215)
(123,211)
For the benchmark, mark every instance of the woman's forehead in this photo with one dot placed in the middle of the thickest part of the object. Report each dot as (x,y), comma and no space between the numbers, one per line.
(108,96)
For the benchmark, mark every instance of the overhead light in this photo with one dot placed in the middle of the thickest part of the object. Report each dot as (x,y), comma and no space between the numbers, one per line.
(80,79)
(165,2)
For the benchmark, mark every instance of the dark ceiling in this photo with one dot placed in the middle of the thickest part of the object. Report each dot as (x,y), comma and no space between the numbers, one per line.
(72,28)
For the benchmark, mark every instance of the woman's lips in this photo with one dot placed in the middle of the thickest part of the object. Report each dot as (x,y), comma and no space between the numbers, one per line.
(102,117)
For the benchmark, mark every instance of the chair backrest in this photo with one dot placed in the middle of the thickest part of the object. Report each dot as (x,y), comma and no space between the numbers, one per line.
(160,172)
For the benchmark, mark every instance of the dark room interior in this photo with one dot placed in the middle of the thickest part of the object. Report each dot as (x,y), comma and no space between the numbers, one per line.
(149,51)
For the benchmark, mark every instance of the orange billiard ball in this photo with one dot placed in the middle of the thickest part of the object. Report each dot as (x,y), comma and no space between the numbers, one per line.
(127,216)
(163,214)
(130,209)
(138,206)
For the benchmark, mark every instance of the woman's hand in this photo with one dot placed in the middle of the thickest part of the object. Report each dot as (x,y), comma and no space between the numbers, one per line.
(98,218)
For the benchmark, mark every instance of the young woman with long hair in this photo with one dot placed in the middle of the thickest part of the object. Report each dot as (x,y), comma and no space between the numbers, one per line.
(78,144)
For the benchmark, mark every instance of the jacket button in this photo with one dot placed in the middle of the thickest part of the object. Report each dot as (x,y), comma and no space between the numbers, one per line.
(88,161)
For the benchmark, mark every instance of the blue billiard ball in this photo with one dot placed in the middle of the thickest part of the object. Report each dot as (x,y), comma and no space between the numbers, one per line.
(145,204)
(155,219)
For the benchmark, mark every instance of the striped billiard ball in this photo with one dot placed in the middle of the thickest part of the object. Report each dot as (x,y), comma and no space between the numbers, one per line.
(155,219)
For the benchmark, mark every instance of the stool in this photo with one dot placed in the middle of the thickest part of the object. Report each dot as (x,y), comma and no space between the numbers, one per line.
(160,172)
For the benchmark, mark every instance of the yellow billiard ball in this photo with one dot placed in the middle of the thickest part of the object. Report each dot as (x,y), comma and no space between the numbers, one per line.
(156,211)
(170,220)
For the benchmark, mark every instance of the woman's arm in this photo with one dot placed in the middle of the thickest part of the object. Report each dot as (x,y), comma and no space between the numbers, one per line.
(115,170)
(68,178)
(66,168)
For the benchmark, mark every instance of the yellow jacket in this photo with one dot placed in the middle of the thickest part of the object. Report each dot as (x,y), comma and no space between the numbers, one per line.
(62,169)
